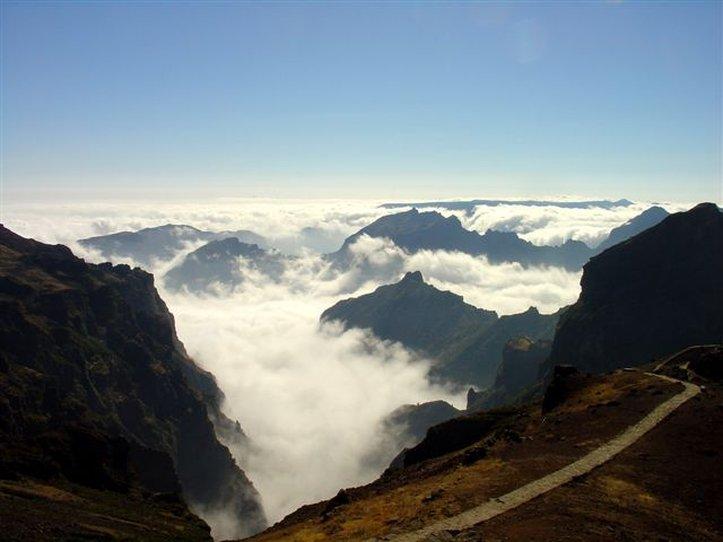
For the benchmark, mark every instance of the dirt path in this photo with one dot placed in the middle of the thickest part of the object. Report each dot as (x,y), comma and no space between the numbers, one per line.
(523,494)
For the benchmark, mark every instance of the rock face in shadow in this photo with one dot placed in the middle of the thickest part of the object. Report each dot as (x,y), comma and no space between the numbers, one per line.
(159,243)
(648,297)
(224,262)
(516,377)
(96,388)
(466,342)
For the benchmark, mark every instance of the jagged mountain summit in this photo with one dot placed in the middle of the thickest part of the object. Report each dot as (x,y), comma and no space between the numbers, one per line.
(159,243)
(465,341)
(220,262)
(654,294)
(98,391)
(414,231)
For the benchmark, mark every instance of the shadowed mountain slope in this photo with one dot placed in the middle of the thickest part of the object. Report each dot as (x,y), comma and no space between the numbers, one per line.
(414,231)
(465,341)
(649,296)
(98,391)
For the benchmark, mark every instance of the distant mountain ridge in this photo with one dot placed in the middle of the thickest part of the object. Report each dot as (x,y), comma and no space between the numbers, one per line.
(466,341)
(97,389)
(159,243)
(414,231)
(470,205)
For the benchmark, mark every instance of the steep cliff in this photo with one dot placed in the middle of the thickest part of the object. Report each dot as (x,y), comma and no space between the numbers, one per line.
(98,390)
(649,296)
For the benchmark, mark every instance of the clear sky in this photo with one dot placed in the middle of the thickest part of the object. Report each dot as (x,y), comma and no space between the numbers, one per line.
(366,99)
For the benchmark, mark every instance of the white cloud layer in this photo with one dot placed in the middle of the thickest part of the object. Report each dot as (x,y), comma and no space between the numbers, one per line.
(312,398)
(295,225)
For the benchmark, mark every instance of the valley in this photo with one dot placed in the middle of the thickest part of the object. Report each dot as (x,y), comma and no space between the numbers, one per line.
(406,456)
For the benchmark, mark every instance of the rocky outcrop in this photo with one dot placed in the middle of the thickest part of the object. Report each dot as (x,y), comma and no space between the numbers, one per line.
(648,297)
(516,377)
(97,388)
(482,358)
(565,380)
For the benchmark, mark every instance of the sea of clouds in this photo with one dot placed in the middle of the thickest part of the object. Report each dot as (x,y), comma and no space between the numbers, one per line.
(312,397)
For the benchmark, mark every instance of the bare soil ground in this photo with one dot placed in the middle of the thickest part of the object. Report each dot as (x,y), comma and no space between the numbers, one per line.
(32,510)
(667,486)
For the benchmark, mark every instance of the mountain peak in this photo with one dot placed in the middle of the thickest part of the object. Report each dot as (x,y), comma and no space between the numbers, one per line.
(705,208)
(413,276)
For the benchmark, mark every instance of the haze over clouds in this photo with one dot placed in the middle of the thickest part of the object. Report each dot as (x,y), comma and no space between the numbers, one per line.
(312,398)
(295,225)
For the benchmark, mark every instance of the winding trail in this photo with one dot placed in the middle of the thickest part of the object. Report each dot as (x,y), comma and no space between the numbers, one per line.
(585,464)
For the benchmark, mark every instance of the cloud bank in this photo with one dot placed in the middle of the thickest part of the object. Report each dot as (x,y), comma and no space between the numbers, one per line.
(312,398)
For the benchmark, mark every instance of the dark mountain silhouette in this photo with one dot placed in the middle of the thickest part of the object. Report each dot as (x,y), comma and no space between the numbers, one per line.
(647,219)
(470,205)
(414,231)
(218,262)
(159,243)
(98,390)
(649,296)
(465,341)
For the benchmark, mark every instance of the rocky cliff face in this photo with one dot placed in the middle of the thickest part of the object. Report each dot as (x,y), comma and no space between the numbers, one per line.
(516,377)
(652,295)
(97,389)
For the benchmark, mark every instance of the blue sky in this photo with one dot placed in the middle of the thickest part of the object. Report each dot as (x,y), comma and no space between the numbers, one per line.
(390,100)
